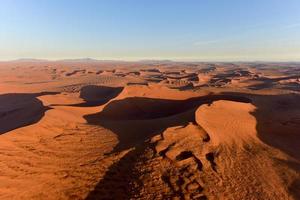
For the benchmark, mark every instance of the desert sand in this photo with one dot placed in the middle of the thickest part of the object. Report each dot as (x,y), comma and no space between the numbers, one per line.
(87,129)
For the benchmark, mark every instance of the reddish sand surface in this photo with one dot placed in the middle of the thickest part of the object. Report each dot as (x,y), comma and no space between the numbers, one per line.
(86,129)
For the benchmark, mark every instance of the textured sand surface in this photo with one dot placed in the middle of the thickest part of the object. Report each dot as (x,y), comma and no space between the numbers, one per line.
(149,130)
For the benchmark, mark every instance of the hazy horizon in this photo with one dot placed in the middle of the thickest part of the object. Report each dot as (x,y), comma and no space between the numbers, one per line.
(266,30)
(143,60)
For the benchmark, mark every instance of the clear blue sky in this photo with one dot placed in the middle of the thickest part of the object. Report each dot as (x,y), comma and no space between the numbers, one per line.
(151,29)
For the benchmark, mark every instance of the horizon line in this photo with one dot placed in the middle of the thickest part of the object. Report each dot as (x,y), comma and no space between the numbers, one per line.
(88,59)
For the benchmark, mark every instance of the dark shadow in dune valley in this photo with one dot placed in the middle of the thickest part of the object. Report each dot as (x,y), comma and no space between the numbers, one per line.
(18,110)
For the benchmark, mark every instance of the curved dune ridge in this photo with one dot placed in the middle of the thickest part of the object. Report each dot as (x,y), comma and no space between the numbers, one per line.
(149,108)
(94,137)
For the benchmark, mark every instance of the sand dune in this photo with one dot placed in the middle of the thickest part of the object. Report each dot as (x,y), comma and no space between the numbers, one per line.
(228,122)
(149,130)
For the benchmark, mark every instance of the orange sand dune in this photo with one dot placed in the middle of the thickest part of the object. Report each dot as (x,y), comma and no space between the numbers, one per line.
(125,130)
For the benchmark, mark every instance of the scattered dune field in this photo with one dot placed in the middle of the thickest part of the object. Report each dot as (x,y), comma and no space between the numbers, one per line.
(86,129)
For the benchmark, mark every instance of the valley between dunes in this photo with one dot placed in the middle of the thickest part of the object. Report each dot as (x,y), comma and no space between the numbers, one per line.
(149,131)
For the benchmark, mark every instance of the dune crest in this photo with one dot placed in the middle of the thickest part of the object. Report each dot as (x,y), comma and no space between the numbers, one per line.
(228,122)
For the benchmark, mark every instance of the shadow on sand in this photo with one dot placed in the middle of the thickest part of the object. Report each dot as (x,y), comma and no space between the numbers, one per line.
(135,120)
(95,95)
(19,110)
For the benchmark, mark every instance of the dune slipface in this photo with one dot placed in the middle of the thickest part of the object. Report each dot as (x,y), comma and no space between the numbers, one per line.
(149,130)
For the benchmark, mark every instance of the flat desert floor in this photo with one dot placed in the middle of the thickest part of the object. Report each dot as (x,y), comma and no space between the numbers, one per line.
(149,130)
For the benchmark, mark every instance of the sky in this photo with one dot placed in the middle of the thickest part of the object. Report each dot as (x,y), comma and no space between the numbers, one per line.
(204,30)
